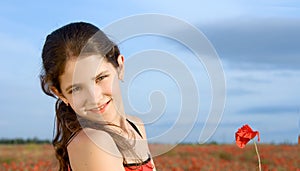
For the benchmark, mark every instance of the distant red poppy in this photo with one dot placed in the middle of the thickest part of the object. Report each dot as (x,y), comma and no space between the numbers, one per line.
(244,135)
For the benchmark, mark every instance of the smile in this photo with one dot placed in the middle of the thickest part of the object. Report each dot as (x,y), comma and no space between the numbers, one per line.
(100,109)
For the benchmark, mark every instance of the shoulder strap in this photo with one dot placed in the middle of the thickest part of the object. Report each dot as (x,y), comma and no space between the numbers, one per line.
(72,136)
(134,127)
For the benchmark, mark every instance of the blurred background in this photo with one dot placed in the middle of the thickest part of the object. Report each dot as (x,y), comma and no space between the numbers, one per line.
(257,42)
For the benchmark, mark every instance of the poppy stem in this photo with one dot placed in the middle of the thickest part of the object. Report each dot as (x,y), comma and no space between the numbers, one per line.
(258,157)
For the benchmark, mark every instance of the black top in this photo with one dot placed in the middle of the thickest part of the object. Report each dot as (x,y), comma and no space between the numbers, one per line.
(134,127)
(136,164)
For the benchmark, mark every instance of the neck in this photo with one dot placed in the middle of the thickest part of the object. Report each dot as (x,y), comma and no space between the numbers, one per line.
(121,122)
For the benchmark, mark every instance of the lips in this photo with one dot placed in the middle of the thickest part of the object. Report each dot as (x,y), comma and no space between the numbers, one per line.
(100,109)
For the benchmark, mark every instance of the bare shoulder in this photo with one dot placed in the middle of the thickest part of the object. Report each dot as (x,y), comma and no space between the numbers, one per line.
(139,123)
(95,138)
(94,150)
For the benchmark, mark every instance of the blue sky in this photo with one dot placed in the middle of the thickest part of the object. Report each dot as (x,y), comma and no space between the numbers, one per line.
(257,43)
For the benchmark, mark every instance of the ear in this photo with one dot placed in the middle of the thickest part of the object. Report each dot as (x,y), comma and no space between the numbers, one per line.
(121,67)
(59,95)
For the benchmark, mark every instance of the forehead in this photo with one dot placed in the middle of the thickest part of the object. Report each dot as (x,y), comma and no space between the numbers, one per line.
(77,70)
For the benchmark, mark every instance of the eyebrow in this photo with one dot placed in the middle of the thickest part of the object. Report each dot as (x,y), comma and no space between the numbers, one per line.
(101,73)
(94,78)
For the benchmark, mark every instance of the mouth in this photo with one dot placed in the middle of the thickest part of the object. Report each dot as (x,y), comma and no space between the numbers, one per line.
(101,108)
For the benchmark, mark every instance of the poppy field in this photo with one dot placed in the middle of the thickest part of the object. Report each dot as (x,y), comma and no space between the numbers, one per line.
(184,157)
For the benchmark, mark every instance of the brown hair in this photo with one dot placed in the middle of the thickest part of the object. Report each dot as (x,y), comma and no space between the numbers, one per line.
(72,41)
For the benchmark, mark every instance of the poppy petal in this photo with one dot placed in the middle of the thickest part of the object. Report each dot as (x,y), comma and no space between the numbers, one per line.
(244,135)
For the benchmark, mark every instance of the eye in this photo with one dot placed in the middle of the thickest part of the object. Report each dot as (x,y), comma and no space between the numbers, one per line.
(100,78)
(74,90)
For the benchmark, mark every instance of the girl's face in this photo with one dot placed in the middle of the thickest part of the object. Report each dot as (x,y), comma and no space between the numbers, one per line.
(90,85)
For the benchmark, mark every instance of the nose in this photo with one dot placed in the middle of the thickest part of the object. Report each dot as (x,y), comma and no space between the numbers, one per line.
(94,94)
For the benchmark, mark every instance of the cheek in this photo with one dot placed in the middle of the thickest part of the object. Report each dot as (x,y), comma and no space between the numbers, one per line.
(77,103)
(109,87)
(115,87)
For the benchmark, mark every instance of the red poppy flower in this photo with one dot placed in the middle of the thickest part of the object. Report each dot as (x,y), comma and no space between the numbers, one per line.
(244,135)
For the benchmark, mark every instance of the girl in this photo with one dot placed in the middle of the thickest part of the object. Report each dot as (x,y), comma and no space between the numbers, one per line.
(82,69)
